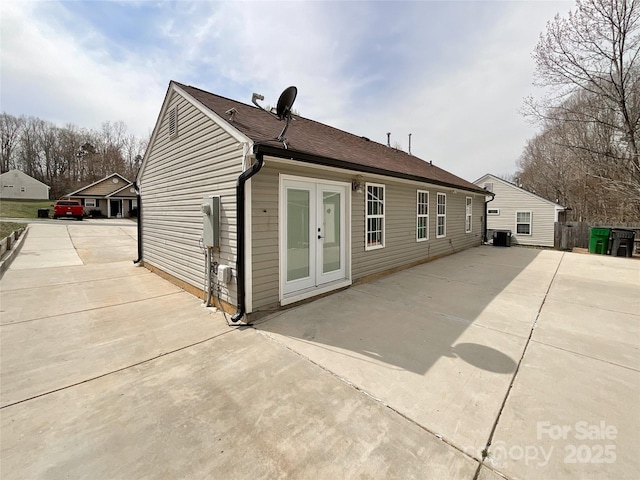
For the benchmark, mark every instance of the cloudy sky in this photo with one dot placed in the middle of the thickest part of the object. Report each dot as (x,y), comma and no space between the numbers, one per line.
(451,73)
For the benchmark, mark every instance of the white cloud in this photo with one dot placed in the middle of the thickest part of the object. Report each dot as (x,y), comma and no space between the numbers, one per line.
(64,77)
(452,79)
(466,119)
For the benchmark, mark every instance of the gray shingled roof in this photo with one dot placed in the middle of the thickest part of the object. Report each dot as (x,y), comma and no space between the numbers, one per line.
(313,139)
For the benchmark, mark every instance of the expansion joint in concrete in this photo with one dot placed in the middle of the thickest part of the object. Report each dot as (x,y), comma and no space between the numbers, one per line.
(89,309)
(142,362)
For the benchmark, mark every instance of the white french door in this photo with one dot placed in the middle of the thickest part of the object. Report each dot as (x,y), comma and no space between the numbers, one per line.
(313,234)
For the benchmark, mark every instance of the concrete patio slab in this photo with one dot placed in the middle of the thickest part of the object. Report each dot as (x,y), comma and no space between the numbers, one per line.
(47,246)
(617,280)
(403,337)
(439,343)
(404,360)
(76,347)
(569,416)
(403,377)
(238,406)
(115,243)
(512,312)
(603,268)
(68,275)
(607,335)
(30,304)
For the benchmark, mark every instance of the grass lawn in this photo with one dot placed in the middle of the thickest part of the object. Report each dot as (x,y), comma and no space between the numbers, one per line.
(20,209)
(7,227)
(24,208)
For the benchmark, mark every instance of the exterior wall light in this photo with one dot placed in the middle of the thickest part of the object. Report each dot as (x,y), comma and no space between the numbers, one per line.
(356,184)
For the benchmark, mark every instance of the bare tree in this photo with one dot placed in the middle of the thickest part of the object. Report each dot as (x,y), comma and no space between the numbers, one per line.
(10,128)
(594,54)
(596,188)
(67,158)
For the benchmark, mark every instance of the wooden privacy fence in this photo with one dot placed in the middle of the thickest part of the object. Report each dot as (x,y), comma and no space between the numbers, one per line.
(568,235)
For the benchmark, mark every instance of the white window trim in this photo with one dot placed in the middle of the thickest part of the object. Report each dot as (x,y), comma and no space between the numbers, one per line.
(441,215)
(173,114)
(468,214)
(367,216)
(530,223)
(494,213)
(419,215)
(90,200)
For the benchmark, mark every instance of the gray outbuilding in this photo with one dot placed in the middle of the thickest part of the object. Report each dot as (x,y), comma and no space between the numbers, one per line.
(15,184)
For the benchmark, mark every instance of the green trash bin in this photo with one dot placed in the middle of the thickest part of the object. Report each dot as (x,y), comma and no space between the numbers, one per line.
(599,240)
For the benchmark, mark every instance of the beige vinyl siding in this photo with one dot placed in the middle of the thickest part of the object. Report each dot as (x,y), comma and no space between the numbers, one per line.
(401,246)
(265,227)
(511,199)
(128,192)
(103,188)
(203,160)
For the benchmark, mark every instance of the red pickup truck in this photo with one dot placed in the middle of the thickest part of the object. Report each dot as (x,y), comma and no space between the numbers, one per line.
(68,208)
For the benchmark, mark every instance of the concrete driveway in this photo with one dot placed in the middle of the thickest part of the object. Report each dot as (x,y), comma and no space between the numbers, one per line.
(108,371)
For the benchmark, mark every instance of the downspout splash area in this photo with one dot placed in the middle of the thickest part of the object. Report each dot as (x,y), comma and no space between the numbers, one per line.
(139,223)
(240,204)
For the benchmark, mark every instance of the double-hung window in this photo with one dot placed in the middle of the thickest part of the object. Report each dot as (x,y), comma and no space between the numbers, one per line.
(90,202)
(468,216)
(422,208)
(441,213)
(523,223)
(374,217)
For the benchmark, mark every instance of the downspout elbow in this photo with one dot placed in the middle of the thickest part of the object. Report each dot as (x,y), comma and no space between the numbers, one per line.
(486,219)
(240,215)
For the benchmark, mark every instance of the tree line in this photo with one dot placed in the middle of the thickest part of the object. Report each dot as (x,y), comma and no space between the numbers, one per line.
(586,154)
(68,158)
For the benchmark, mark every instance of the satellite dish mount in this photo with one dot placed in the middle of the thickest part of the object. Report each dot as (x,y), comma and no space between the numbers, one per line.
(282,110)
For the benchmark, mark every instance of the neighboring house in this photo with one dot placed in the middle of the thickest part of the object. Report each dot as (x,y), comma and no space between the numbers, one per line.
(18,185)
(297,220)
(530,217)
(113,196)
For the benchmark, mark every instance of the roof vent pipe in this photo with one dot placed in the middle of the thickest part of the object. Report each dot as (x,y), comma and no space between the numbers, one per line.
(232,112)
(255,97)
(409,144)
(388,139)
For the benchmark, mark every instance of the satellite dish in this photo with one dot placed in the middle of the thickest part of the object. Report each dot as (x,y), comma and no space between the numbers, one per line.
(282,110)
(285,102)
